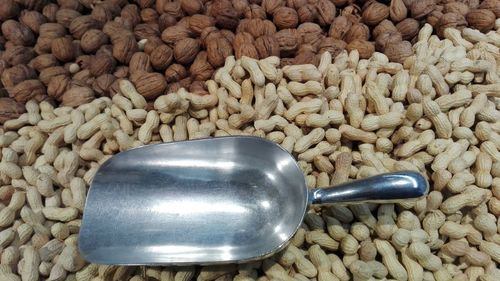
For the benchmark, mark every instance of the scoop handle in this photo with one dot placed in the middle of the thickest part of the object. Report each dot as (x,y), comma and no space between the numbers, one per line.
(384,188)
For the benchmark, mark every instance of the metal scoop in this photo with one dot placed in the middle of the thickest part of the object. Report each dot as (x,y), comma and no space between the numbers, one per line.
(218,200)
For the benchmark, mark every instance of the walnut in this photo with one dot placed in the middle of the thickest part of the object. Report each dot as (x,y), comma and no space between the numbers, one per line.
(456,7)
(105,11)
(10,108)
(52,30)
(165,21)
(331,45)
(26,90)
(267,46)
(255,12)
(198,87)
(81,24)
(115,31)
(492,5)
(398,51)
(161,57)
(43,61)
(49,11)
(49,72)
(308,13)
(139,62)
(310,33)
(173,8)
(57,86)
(123,48)
(288,40)
(383,27)
(408,28)
(62,49)
(8,9)
(450,20)
(149,15)
(173,34)
(102,84)
(101,63)
(186,50)
(201,69)
(397,10)
(77,96)
(18,55)
(246,50)
(433,18)
(387,37)
(217,50)
(66,16)
(271,5)
(144,31)
(92,40)
(121,71)
(151,44)
(32,19)
(16,74)
(365,48)
(191,7)
(374,12)
(131,14)
(226,17)
(17,33)
(420,9)
(149,85)
(339,27)
(481,19)
(242,38)
(199,22)
(306,55)
(175,72)
(296,4)
(358,31)
(326,12)
(228,34)
(284,17)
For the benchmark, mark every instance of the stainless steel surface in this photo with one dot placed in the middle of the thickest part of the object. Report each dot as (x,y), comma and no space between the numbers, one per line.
(219,200)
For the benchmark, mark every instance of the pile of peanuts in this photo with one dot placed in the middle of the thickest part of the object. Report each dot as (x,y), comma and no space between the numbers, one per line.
(348,118)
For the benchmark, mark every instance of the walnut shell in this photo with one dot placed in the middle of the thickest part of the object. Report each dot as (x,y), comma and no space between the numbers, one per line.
(420,9)
(81,24)
(408,28)
(433,18)
(175,72)
(173,34)
(288,40)
(101,63)
(247,50)
(123,48)
(9,9)
(456,7)
(198,23)
(374,13)
(66,16)
(43,61)
(18,33)
(26,90)
(149,85)
(201,69)
(191,7)
(326,12)
(308,13)
(77,96)
(151,44)
(92,40)
(492,5)
(10,108)
(49,11)
(105,11)
(32,19)
(387,37)
(139,62)
(398,51)
(255,12)
(161,57)
(52,30)
(218,49)
(339,27)
(49,72)
(481,19)
(383,27)
(358,31)
(186,50)
(271,5)
(16,74)
(365,48)
(284,17)
(144,31)
(331,45)
(102,84)
(57,86)
(62,49)
(397,10)
(267,46)
(310,33)
(149,15)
